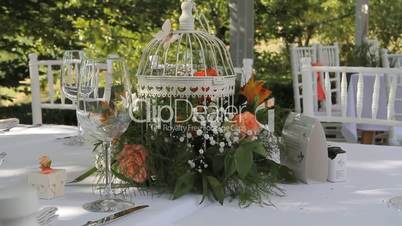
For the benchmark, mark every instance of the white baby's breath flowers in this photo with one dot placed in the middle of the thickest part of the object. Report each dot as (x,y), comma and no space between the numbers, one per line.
(201,118)
(213,123)
(200,170)
(189,135)
(199,132)
(181,139)
(249,132)
(229,143)
(236,139)
(221,149)
(189,145)
(205,165)
(206,136)
(227,135)
(220,130)
(191,163)
(215,130)
(222,144)
(203,123)
(212,142)
(201,151)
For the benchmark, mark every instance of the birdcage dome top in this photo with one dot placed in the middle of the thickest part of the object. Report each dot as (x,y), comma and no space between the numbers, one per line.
(185,62)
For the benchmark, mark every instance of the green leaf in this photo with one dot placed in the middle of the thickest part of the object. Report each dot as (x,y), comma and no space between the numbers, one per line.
(217,164)
(96,145)
(230,165)
(244,160)
(204,188)
(217,189)
(281,172)
(184,184)
(84,175)
(256,146)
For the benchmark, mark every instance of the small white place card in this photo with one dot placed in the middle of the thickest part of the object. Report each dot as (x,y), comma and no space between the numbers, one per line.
(305,148)
(48,186)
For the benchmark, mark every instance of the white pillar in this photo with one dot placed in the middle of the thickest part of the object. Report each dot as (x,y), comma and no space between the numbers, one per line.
(361,21)
(35,90)
(307,86)
(241,30)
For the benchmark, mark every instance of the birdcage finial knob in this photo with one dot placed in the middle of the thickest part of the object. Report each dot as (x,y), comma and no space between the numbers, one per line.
(186,19)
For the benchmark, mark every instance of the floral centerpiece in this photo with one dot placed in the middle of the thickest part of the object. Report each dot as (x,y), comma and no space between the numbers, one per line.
(194,129)
(230,159)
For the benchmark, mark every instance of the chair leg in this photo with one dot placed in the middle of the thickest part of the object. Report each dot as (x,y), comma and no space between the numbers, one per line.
(367,137)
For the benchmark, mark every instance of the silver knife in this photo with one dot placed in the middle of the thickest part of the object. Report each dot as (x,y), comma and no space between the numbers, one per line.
(113,217)
(2,157)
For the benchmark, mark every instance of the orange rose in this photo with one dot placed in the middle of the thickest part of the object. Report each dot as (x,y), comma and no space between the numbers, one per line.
(210,72)
(247,123)
(132,162)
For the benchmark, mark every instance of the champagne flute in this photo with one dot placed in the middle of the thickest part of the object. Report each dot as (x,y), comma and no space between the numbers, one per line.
(70,74)
(103,111)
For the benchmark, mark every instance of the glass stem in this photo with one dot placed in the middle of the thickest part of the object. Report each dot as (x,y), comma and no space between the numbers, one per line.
(79,129)
(108,169)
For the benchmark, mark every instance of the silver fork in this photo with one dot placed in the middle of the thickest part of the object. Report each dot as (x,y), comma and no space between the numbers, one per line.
(2,157)
(47,215)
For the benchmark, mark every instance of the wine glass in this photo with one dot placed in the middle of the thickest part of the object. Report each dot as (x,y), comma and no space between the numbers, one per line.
(103,111)
(70,74)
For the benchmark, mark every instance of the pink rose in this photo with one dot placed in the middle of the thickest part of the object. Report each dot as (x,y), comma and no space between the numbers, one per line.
(132,162)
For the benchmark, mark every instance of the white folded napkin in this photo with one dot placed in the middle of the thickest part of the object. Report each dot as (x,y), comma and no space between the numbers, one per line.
(6,124)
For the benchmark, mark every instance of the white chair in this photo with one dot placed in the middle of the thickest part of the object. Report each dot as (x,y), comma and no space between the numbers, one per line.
(373,49)
(323,55)
(51,75)
(393,61)
(332,114)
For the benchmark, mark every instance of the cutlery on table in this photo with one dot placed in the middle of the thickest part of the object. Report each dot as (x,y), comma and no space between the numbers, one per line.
(47,215)
(7,124)
(113,217)
(2,157)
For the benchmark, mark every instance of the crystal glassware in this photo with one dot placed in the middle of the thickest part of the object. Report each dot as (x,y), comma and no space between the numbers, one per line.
(103,112)
(70,74)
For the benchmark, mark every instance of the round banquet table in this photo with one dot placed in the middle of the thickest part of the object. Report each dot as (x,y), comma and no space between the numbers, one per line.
(374,176)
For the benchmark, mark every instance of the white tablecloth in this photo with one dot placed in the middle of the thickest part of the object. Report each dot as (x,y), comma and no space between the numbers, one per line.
(25,145)
(375,175)
(349,130)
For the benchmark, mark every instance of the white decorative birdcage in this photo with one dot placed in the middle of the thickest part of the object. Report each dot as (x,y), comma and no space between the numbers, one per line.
(186,63)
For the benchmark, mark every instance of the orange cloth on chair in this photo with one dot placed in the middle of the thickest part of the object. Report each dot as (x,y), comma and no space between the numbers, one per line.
(320,88)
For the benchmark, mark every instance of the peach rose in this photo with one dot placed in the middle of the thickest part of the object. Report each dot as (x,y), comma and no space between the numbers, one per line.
(132,162)
(247,123)
(45,164)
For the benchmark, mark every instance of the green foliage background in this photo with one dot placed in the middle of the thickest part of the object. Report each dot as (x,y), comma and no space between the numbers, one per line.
(47,27)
